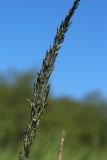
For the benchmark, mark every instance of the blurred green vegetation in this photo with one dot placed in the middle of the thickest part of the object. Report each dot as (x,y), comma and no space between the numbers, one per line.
(85,123)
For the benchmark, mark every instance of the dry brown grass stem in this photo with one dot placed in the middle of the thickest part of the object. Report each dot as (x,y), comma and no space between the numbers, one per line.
(61,145)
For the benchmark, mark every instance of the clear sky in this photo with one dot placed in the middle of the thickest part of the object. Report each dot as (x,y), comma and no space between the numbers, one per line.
(27,29)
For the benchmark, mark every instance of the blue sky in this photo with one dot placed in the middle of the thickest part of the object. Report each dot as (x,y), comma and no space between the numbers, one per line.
(27,29)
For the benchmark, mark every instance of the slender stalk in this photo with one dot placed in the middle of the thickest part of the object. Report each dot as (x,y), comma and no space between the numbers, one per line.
(41,88)
(61,146)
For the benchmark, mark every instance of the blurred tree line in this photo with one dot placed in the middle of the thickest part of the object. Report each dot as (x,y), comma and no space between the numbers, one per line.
(85,122)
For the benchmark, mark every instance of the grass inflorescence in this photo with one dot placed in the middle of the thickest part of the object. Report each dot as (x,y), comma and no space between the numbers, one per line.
(41,88)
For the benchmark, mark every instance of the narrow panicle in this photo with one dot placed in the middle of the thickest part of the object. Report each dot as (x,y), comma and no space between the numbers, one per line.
(41,88)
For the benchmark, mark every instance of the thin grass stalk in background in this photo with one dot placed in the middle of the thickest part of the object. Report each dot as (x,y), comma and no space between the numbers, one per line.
(61,146)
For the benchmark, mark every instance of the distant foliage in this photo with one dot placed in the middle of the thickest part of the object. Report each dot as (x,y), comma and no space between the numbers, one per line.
(84,123)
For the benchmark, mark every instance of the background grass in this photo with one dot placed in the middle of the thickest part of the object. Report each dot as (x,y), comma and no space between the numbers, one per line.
(85,124)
